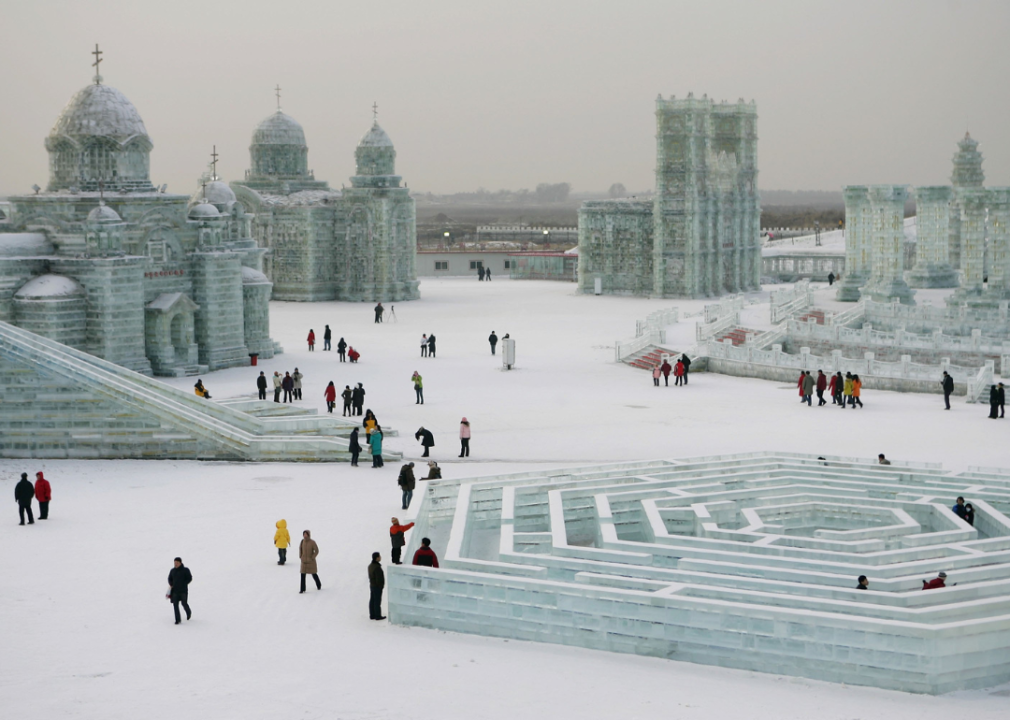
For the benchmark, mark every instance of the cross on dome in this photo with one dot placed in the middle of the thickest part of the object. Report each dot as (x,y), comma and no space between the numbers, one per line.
(277,90)
(213,166)
(98,60)
(375,112)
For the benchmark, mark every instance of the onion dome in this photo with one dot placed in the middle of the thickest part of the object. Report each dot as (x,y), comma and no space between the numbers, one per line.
(216,193)
(375,154)
(204,211)
(279,129)
(46,287)
(278,149)
(103,214)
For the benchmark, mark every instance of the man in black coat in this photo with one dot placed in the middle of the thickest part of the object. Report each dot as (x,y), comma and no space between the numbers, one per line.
(493,339)
(947,382)
(342,350)
(327,337)
(179,579)
(354,447)
(426,438)
(687,366)
(378,312)
(357,399)
(406,482)
(261,385)
(376,582)
(1001,398)
(431,345)
(993,402)
(24,491)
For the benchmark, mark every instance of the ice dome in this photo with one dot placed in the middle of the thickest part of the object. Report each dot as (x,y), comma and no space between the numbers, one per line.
(216,193)
(203,211)
(103,214)
(279,129)
(99,111)
(25,245)
(50,286)
(376,137)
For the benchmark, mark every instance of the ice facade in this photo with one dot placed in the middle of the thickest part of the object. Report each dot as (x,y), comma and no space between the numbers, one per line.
(700,236)
(106,263)
(745,561)
(356,244)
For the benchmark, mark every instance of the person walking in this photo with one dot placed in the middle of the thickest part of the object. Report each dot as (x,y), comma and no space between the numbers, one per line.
(847,390)
(666,369)
(831,279)
(23,494)
(1001,398)
(822,385)
(327,337)
(426,438)
(680,373)
(425,555)
(312,340)
(480,272)
(993,403)
(418,388)
(424,346)
(278,384)
(354,447)
(857,391)
(358,399)
(342,350)
(656,374)
(407,483)
(346,396)
(947,383)
(179,578)
(464,438)
(493,339)
(375,443)
(282,539)
(833,388)
(487,274)
(378,312)
(687,366)
(289,387)
(376,582)
(431,345)
(396,531)
(43,494)
(307,552)
(799,385)
(808,388)
(331,397)
(261,385)
(296,377)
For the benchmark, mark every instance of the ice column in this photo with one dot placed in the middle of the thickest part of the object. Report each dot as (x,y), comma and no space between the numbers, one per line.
(857,242)
(887,207)
(932,257)
(999,242)
(972,201)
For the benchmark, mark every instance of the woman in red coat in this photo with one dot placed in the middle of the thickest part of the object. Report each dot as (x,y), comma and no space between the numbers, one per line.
(678,372)
(43,493)
(312,340)
(331,396)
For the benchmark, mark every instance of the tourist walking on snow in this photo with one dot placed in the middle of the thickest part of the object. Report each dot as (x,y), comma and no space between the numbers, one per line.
(418,388)
(296,377)
(666,369)
(680,373)
(23,494)
(431,345)
(407,483)
(179,578)
(289,387)
(307,552)
(426,438)
(686,362)
(835,388)
(1001,398)
(375,443)
(354,447)
(358,398)
(278,384)
(808,388)
(376,582)
(424,346)
(493,339)
(346,396)
(847,390)
(993,403)
(331,396)
(487,274)
(43,494)
(464,438)
(799,385)
(312,340)
(822,385)
(656,374)
(342,350)
(425,555)
(857,390)
(378,312)
(261,385)
(396,531)
(327,337)
(947,383)
(282,539)
(480,272)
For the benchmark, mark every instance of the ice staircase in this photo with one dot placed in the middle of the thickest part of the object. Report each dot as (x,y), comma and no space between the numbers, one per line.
(737,335)
(815,315)
(648,357)
(58,402)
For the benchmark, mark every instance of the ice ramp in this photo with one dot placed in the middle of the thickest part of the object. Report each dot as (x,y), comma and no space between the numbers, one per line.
(58,402)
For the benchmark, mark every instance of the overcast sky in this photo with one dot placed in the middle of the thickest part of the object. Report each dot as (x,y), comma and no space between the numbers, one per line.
(510,94)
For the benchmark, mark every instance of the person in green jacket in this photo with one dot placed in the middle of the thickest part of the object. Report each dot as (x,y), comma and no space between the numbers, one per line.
(375,442)
(418,387)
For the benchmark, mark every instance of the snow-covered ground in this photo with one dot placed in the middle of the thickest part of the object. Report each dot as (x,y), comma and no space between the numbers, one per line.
(87,633)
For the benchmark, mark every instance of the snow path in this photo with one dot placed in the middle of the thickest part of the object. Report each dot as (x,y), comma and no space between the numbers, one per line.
(87,633)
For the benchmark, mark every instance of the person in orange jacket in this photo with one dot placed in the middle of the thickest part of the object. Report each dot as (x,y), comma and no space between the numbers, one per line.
(396,531)
(857,386)
(43,493)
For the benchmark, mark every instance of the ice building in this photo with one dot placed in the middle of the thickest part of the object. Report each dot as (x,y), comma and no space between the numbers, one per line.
(357,244)
(700,235)
(105,262)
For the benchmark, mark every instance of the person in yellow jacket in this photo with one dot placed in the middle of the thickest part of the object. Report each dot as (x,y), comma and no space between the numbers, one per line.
(857,387)
(847,390)
(281,541)
(200,390)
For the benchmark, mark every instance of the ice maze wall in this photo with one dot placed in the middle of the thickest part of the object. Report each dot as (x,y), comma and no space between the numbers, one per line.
(746,561)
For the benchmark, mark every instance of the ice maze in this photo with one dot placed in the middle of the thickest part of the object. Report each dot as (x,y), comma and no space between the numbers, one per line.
(744,561)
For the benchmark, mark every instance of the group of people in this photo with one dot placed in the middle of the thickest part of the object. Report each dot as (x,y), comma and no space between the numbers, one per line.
(290,384)
(380,311)
(353,399)
(343,349)
(377,578)
(680,370)
(307,552)
(997,401)
(407,482)
(428,345)
(483,273)
(25,492)
(844,391)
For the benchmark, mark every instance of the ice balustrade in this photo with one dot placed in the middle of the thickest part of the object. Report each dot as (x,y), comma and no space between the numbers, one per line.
(786,303)
(648,332)
(726,306)
(745,561)
(866,335)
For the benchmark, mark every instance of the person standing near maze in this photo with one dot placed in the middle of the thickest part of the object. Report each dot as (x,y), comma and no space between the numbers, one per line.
(959,507)
(1001,398)
(179,578)
(342,350)
(346,395)
(378,312)
(354,447)
(296,378)
(43,493)
(289,387)
(307,552)
(278,386)
(680,373)
(947,383)
(424,346)
(425,555)
(375,443)
(330,393)
(426,438)
(464,438)
(376,582)
(23,494)
(938,582)
(993,403)
(358,399)
(327,337)
(864,583)
(396,531)
(969,514)
(407,483)
(261,385)
(687,366)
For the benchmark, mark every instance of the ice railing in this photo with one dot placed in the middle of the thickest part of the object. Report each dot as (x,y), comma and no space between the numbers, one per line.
(961,316)
(650,331)
(866,335)
(785,303)
(657,321)
(752,557)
